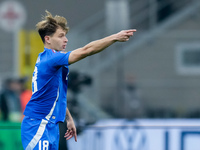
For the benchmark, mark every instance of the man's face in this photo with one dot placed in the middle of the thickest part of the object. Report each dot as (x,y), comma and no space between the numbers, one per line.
(58,40)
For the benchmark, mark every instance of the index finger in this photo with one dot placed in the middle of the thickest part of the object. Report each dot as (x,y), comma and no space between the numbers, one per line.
(131,30)
(75,137)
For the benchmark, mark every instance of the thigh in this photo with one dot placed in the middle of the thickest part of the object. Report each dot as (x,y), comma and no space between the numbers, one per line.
(39,134)
(50,137)
(31,131)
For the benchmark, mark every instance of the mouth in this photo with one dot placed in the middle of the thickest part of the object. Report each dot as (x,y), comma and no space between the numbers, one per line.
(64,46)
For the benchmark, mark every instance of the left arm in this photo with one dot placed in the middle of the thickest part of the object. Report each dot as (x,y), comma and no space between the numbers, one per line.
(71,129)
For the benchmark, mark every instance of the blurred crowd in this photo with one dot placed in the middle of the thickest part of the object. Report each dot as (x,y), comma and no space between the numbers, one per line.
(13,98)
(14,95)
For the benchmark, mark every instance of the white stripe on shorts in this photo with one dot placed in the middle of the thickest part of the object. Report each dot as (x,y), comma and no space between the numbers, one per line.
(41,128)
(38,135)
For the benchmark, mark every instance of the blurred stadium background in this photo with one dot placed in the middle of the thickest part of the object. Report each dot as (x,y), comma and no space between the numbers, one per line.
(148,87)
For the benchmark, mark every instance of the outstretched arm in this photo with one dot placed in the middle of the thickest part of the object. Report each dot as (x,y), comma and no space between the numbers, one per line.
(71,129)
(99,45)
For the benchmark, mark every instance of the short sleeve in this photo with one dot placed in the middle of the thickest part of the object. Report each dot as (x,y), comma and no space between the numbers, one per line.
(60,59)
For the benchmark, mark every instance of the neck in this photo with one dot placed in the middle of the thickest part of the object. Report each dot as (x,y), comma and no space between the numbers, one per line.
(47,46)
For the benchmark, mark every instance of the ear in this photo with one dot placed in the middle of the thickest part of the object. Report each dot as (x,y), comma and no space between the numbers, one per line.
(47,39)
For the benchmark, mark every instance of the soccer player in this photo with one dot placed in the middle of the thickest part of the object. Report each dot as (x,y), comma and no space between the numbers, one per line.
(47,106)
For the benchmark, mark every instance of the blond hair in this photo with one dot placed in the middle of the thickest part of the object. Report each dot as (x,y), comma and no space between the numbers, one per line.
(50,24)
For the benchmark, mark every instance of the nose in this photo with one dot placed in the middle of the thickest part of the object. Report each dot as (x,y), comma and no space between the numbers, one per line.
(66,39)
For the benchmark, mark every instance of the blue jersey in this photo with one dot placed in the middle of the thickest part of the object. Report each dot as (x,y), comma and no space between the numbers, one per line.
(49,87)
